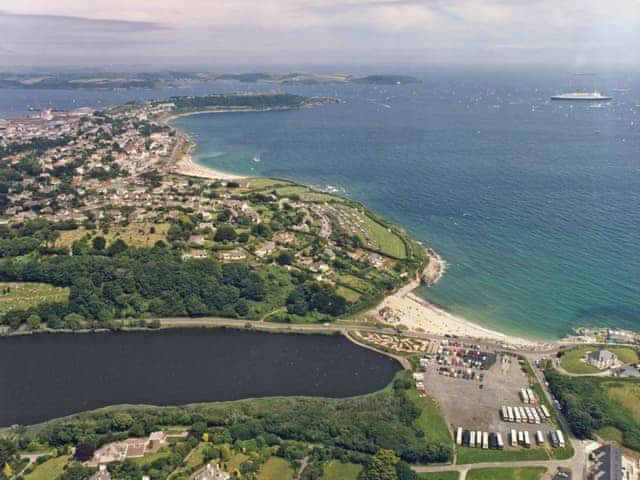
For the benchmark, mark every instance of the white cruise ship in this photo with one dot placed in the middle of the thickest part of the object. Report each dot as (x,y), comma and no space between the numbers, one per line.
(580,95)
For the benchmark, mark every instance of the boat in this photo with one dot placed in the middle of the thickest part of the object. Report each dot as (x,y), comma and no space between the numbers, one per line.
(579,95)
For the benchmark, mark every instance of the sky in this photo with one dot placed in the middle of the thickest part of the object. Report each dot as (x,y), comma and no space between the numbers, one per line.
(575,33)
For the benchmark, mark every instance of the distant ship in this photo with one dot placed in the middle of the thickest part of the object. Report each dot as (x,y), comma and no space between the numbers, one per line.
(582,96)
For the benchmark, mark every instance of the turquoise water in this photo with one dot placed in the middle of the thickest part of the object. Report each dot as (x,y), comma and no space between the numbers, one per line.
(534,205)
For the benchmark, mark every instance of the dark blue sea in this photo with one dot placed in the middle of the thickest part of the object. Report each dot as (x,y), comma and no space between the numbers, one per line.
(534,205)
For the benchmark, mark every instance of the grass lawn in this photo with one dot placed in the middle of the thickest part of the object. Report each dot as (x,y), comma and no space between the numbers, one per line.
(528,473)
(134,234)
(625,354)
(236,461)
(627,395)
(610,433)
(383,240)
(25,295)
(151,457)
(335,470)
(263,183)
(196,459)
(439,476)
(573,361)
(355,283)
(49,470)
(351,295)
(275,469)
(476,455)
(430,421)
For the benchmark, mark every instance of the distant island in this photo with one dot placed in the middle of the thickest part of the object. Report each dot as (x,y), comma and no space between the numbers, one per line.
(111,80)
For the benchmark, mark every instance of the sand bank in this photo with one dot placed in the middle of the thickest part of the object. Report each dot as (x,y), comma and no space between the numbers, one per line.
(186,166)
(405,308)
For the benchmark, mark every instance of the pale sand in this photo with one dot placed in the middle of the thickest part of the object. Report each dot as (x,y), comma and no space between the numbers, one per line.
(186,166)
(418,315)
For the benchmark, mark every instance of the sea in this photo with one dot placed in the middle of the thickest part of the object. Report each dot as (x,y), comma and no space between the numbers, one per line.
(533,204)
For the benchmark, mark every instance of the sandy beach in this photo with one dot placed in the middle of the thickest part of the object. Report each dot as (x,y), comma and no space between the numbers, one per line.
(186,166)
(406,308)
(401,308)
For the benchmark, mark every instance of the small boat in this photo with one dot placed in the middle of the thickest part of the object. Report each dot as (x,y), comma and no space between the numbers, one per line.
(257,159)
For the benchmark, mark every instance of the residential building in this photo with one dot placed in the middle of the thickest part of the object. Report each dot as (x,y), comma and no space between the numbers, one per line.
(602,359)
(606,463)
(210,472)
(101,474)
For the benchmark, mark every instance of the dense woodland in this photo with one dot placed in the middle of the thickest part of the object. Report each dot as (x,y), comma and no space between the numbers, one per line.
(108,283)
(588,407)
(376,431)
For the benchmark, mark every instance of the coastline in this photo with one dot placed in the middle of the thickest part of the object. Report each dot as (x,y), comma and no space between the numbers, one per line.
(414,313)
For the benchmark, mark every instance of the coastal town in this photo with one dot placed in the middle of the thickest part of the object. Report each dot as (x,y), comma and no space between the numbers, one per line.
(100,186)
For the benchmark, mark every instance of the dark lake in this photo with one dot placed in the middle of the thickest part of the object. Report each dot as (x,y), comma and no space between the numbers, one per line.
(51,375)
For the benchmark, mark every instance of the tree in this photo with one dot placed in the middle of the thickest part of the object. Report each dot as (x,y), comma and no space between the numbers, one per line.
(225,233)
(84,452)
(99,243)
(7,470)
(7,450)
(383,466)
(117,247)
(34,321)
(225,453)
(405,472)
(285,257)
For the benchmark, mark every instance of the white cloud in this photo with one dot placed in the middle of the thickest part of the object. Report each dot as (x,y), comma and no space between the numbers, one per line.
(562,28)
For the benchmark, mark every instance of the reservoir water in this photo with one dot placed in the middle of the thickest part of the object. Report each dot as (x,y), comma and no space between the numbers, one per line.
(47,376)
(534,205)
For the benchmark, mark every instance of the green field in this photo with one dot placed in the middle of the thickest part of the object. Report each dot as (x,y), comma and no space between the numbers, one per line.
(528,473)
(351,295)
(25,295)
(49,470)
(134,234)
(439,476)
(383,240)
(468,455)
(625,354)
(430,421)
(626,395)
(599,405)
(610,433)
(237,460)
(151,457)
(335,470)
(276,469)
(573,360)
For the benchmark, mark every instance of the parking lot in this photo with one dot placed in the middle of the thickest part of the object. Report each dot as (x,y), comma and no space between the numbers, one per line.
(475,404)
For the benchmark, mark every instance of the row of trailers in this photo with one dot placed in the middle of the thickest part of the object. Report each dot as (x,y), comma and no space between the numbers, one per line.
(523,438)
(525,414)
(479,439)
(527,395)
(486,440)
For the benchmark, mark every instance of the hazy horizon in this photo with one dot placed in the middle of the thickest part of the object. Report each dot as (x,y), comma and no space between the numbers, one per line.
(243,33)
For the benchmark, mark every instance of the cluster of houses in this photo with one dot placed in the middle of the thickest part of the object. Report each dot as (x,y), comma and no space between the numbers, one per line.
(113,168)
(113,145)
(129,448)
(137,448)
(208,472)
